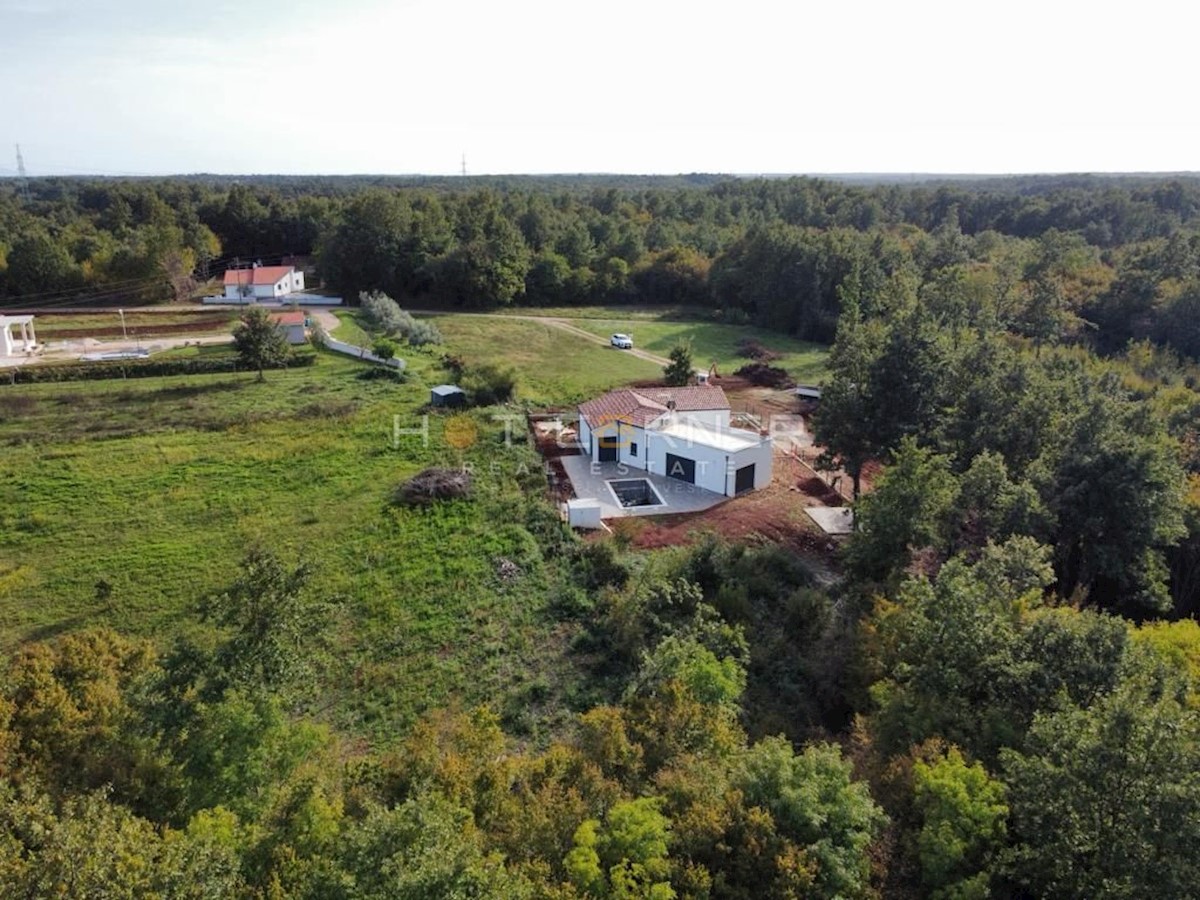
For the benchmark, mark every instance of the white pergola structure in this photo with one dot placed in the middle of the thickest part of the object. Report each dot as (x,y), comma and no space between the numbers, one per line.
(10,345)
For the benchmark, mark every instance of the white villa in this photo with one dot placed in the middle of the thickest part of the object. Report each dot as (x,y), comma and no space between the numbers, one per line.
(262,283)
(683,433)
(10,344)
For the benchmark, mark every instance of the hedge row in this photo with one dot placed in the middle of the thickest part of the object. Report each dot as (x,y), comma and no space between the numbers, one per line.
(139,369)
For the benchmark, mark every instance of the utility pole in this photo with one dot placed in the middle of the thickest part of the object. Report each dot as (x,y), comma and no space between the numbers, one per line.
(124,333)
(464,164)
(25,181)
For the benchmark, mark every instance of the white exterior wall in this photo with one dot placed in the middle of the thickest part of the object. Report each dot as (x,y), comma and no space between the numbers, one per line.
(297,280)
(715,468)
(709,418)
(585,436)
(632,434)
(761,456)
(710,462)
(296,334)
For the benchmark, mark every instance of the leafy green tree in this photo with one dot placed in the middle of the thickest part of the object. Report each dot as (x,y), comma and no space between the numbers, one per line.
(425,847)
(549,279)
(238,751)
(269,616)
(991,506)
(259,341)
(816,803)
(1106,800)
(677,275)
(844,424)
(91,847)
(71,719)
(905,513)
(713,681)
(680,370)
(38,264)
(626,856)
(962,813)
(1116,491)
(366,250)
(971,657)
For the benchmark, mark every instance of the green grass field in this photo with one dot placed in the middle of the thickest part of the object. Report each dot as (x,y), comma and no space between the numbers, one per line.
(553,366)
(350,329)
(556,367)
(715,342)
(158,486)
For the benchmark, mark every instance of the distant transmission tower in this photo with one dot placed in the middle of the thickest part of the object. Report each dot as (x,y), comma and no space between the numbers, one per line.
(464,164)
(21,175)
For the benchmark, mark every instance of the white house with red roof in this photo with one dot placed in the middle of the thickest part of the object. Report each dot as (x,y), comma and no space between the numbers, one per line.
(295,325)
(262,283)
(680,432)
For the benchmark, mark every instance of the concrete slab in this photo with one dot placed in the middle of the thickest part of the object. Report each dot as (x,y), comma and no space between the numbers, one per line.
(590,480)
(832,519)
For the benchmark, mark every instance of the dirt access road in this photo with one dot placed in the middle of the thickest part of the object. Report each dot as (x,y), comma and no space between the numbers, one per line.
(61,351)
(71,349)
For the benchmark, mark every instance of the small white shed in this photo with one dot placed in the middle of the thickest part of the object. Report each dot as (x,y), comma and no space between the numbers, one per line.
(583,513)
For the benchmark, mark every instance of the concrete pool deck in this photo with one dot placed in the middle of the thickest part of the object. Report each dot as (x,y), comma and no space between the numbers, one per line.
(590,481)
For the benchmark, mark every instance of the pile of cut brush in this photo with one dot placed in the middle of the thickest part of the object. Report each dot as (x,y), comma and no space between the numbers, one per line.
(752,349)
(434,484)
(762,375)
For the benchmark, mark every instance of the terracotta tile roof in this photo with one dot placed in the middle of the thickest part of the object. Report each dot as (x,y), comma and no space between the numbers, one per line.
(260,275)
(643,406)
(689,399)
(294,317)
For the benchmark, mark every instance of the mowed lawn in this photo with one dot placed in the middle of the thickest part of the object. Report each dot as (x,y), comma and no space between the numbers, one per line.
(553,366)
(157,487)
(714,342)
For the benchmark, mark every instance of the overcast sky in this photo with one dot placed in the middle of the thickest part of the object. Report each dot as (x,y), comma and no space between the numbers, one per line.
(640,86)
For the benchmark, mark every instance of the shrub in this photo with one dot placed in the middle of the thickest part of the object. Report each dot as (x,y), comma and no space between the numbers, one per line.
(385,314)
(454,365)
(423,333)
(434,484)
(488,384)
(384,348)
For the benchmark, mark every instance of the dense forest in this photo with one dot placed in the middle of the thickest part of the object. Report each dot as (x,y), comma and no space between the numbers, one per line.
(1100,260)
(999,697)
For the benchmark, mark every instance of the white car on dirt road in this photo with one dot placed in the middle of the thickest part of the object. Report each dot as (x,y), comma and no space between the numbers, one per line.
(621,341)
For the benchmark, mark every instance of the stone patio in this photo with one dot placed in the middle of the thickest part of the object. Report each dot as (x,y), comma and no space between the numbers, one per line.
(590,481)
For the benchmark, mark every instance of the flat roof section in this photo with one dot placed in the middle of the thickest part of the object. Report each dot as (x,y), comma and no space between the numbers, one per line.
(730,440)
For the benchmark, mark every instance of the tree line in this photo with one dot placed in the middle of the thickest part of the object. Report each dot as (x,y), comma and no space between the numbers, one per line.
(1093,260)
